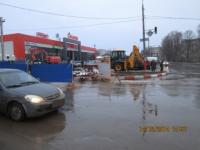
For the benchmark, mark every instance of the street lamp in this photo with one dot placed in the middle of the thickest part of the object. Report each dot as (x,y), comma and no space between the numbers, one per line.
(1,35)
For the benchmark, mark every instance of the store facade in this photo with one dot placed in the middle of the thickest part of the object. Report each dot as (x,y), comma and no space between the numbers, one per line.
(21,47)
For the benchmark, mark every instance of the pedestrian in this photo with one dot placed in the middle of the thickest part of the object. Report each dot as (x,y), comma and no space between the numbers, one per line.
(148,65)
(145,65)
(153,65)
(161,66)
(82,62)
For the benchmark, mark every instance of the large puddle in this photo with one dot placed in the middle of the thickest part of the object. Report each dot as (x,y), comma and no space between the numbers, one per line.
(162,114)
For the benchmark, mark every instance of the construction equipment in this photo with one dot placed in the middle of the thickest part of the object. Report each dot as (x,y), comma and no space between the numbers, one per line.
(120,62)
(38,55)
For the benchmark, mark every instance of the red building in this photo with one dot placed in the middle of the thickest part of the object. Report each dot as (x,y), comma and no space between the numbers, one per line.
(19,45)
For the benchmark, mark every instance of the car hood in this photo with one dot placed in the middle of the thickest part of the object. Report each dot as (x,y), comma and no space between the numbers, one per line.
(40,89)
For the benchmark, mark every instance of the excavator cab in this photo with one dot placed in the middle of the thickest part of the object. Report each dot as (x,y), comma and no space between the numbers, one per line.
(118,57)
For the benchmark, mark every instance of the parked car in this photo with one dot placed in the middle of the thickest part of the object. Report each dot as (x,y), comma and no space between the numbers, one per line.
(22,96)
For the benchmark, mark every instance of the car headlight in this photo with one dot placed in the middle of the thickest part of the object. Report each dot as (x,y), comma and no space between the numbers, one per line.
(34,99)
(60,91)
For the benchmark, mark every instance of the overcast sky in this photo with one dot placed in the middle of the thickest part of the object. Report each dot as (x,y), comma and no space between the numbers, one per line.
(115,35)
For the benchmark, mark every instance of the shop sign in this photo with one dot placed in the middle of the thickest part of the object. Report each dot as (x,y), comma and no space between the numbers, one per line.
(42,35)
(72,37)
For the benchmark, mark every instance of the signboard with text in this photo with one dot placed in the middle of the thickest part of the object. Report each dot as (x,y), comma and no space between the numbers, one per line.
(72,37)
(42,35)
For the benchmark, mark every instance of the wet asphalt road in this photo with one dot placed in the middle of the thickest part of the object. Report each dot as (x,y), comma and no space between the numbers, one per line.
(108,116)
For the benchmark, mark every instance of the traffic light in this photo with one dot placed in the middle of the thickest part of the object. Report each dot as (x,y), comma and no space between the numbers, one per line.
(155,30)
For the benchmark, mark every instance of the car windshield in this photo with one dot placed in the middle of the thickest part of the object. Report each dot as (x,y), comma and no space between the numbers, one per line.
(16,79)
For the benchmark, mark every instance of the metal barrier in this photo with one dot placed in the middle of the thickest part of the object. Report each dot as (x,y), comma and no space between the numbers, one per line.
(52,72)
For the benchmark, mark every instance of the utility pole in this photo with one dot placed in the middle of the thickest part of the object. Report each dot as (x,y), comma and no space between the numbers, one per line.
(143,26)
(1,35)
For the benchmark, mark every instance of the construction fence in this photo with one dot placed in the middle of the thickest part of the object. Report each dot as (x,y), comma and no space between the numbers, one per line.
(43,72)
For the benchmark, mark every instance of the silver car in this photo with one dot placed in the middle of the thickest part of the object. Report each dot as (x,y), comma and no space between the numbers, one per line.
(22,96)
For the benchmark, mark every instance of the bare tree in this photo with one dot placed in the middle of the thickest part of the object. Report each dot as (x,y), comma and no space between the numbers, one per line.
(189,42)
(172,46)
(198,31)
(189,34)
(198,43)
(182,47)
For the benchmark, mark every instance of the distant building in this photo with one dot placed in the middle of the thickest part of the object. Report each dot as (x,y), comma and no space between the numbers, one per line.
(101,52)
(152,52)
(155,51)
(190,50)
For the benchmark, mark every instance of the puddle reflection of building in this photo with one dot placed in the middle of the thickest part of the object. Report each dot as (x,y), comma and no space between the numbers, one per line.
(173,85)
(187,88)
(197,97)
(171,90)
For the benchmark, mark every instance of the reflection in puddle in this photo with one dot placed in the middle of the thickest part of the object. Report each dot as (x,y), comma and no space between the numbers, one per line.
(148,108)
(33,133)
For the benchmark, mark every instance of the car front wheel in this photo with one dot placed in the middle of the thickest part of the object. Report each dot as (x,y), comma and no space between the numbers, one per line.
(16,112)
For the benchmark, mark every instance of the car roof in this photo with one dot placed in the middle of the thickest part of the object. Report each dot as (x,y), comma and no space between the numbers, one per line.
(8,70)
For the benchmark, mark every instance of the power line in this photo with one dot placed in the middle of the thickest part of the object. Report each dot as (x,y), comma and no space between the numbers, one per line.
(107,23)
(172,18)
(79,26)
(94,18)
(63,15)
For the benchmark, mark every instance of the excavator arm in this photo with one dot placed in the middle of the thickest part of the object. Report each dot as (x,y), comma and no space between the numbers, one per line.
(134,59)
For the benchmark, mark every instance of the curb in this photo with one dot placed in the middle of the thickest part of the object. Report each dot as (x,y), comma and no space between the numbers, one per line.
(142,77)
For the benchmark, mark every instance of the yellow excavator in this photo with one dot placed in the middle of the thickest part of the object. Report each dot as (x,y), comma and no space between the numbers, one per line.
(121,62)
